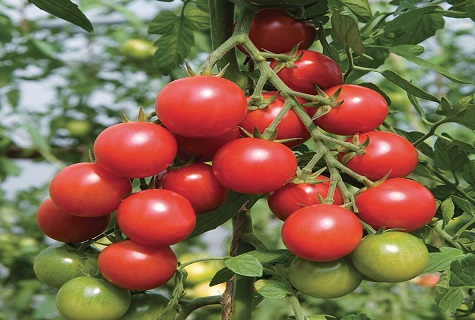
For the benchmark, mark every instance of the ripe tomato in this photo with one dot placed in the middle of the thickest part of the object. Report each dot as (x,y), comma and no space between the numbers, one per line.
(156,217)
(201,106)
(312,69)
(322,232)
(135,149)
(391,256)
(362,109)
(396,203)
(197,183)
(147,306)
(331,279)
(386,152)
(59,263)
(289,127)
(87,190)
(134,266)
(63,226)
(88,298)
(272,29)
(254,166)
(203,149)
(293,196)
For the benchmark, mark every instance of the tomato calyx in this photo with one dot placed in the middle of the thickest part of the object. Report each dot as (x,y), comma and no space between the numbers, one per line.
(258,102)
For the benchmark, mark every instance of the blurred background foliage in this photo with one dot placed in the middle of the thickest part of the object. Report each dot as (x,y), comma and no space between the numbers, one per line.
(60,86)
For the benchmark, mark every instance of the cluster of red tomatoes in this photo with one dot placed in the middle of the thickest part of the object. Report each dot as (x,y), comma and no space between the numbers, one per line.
(200,119)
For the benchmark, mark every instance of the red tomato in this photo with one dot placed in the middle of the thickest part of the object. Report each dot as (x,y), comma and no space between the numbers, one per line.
(312,69)
(289,127)
(63,226)
(386,152)
(363,109)
(198,184)
(292,197)
(322,232)
(254,166)
(201,106)
(156,217)
(203,149)
(133,266)
(396,203)
(272,29)
(87,190)
(135,149)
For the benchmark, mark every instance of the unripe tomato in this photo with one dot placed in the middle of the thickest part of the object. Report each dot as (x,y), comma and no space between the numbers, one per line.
(147,306)
(137,49)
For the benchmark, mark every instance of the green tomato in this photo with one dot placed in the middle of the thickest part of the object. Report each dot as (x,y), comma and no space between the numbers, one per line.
(391,256)
(147,306)
(58,264)
(88,298)
(78,128)
(331,279)
(137,49)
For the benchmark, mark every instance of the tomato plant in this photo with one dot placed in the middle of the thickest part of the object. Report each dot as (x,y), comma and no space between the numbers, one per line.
(396,203)
(134,266)
(147,306)
(316,233)
(391,256)
(238,165)
(156,217)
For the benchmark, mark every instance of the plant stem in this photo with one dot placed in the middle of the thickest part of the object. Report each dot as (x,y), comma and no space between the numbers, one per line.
(430,133)
(188,306)
(294,302)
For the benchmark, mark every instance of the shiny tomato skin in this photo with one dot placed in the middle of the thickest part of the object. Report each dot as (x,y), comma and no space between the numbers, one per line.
(156,217)
(272,29)
(62,226)
(396,203)
(203,149)
(201,106)
(313,68)
(197,183)
(290,127)
(87,190)
(135,149)
(254,166)
(131,265)
(362,109)
(294,196)
(386,153)
(322,232)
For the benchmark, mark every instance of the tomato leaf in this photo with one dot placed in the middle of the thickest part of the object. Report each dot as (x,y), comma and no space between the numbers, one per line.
(447,298)
(462,272)
(447,208)
(272,289)
(360,8)
(469,172)
(345,30)
(245,265)
(449,156)
(464,204)
(223,275)
(65,10)
(462,112)
(408,86)
(438,261)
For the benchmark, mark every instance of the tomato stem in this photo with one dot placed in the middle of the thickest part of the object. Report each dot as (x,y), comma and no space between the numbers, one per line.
(294,302)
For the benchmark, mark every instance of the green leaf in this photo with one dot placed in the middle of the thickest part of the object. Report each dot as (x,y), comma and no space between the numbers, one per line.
(469,172)
(197,19)
(360,8)
(403,51)
(439,261)
(447,298)
(163,23)
(464,204)
(447,208)
(463,112)
(66,10)
(245,265)
(267,256)
(345,30)
(221,276)
(449,156)
(271,289)
(358,316)
(462,272)
(408,86)
(13,97)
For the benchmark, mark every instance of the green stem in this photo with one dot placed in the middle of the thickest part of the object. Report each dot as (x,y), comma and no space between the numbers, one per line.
(430,133)
(447,237)
(187,263)
(294,302)
(188,306)
(351,64)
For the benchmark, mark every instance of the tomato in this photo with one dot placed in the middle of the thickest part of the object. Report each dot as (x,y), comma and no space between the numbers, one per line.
(396,203)
(290,127)
(78,128)
(322,232)
(201,106)
(202,271)
(59,263)
(203,149)
(362,109)
(88,298)
(331,279)
(386,153)
(293,196)
(135,149)
(272,29)
(312,69)
(197,183)
(87,190)
(137,49)
(147,306)
(156,217)
(429,280)
(391,256)
(134,266)
(63,226)
(254,166)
